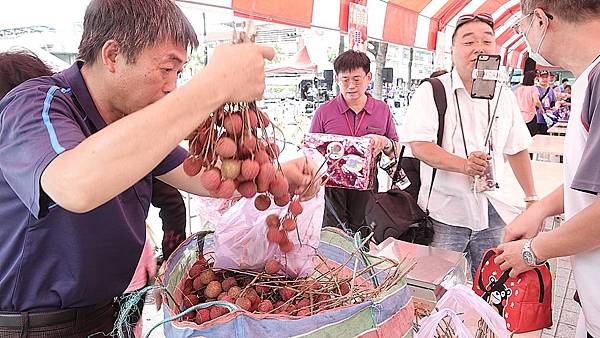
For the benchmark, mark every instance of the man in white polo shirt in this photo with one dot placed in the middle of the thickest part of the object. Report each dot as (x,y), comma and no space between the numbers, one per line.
(464,220)
(565,33)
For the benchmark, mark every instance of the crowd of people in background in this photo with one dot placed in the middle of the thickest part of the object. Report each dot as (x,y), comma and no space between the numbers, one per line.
(543,101)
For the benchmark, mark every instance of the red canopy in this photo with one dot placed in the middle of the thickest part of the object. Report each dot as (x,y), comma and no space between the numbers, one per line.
(421,23)
(300,63)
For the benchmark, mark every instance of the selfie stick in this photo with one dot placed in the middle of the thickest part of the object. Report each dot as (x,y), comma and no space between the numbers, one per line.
(500,77)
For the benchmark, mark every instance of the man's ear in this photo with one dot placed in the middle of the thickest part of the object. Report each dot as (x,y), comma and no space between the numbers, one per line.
(111,51)
(541,17)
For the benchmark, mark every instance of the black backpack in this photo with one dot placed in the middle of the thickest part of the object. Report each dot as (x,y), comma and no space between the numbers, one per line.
(395,213)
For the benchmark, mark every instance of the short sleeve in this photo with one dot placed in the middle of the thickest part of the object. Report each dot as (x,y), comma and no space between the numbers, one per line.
(519,137)
(172,161)
(316,125)
(421,122)
(36,125)
(391,126)
(587,177)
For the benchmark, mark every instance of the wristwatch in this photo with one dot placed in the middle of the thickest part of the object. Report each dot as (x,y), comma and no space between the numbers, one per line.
(529,256)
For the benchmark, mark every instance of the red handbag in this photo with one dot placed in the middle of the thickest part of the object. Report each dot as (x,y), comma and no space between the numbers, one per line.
(525,302)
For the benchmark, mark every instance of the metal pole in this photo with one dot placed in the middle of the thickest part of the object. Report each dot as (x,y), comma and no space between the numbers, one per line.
(410,64)
(205,39)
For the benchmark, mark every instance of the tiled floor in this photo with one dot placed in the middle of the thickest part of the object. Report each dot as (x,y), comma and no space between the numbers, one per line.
(565,309)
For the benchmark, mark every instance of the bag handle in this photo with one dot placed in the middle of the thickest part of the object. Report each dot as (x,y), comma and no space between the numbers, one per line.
(485,259)
(541,280)
(504,277)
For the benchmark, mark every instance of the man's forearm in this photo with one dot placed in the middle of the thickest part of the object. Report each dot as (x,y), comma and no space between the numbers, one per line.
(110,161)
(436,157)
(178,179)
(551,205)
(521,167)
(579,234)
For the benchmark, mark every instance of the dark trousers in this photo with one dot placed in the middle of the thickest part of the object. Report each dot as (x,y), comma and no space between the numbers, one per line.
(172,214)
(84,322)
(533,127)
(542,129)
(346,207)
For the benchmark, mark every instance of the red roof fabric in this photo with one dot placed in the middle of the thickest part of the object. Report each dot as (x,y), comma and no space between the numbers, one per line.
(401,24)
(300,63)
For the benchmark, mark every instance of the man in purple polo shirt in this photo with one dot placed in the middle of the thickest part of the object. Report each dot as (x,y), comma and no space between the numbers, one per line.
(78,151)
(353,113)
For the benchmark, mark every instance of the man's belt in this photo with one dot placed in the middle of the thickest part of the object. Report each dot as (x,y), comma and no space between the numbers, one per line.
(49,318)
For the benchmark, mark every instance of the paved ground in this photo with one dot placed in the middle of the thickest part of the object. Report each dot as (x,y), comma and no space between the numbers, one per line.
(565,309)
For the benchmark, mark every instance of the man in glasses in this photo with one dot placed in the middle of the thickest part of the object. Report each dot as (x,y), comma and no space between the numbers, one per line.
(565,33)
(466,219)
(353,112)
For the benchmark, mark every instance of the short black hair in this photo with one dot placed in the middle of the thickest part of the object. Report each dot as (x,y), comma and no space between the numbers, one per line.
(351,60)
(135,25)
(19,66)
(529,78)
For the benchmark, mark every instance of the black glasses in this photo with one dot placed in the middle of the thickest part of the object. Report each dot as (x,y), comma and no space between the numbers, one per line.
(483,17)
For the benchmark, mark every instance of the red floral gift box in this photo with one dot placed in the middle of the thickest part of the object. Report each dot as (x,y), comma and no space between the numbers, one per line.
(351,161)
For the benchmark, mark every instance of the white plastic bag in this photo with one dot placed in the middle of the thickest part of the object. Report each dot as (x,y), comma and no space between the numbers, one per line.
(472,308)
(429,326)
(241,237)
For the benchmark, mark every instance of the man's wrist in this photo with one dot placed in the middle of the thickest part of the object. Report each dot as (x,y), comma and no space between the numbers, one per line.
(535,248)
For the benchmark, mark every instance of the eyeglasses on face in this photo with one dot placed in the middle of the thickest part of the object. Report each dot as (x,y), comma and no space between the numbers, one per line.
(345,81)
(517,26)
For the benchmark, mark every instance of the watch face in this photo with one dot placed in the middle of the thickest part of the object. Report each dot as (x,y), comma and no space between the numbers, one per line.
(528,258)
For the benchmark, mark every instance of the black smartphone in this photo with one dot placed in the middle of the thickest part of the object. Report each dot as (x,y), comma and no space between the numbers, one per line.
(485,89)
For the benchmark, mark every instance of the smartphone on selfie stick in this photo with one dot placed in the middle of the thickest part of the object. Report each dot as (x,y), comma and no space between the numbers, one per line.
(485,76)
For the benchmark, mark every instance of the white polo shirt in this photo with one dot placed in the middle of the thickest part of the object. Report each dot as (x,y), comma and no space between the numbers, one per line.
(452,200)
(582,183)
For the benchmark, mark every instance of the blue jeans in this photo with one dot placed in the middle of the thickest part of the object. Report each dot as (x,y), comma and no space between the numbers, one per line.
(473,243)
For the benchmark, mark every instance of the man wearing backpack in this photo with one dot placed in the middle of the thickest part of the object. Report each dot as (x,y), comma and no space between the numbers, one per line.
(464,220)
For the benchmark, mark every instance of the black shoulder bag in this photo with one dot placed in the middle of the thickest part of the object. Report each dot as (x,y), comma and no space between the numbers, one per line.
(395,213)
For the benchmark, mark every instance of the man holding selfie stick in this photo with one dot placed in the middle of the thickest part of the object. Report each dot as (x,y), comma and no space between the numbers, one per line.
(477,135)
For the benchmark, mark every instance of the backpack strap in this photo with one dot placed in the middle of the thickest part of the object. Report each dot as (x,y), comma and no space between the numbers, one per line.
(441,103)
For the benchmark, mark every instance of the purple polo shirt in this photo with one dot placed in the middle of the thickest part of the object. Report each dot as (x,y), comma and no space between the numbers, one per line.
(336,117)
(51,258)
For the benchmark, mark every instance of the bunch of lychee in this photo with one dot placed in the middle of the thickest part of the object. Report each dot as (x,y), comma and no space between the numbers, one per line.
(278,228)
(203,284)
(236,153)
